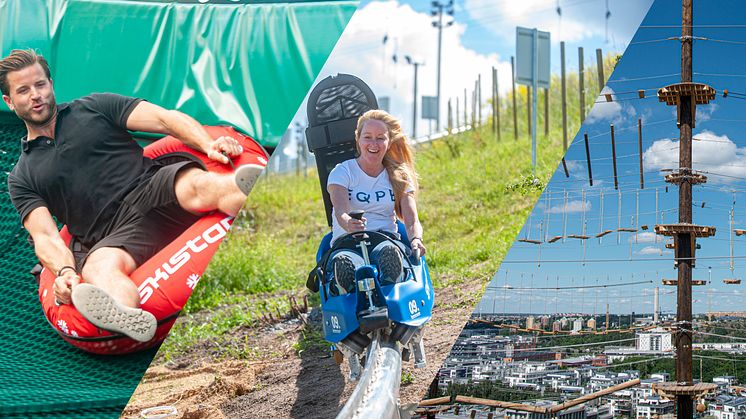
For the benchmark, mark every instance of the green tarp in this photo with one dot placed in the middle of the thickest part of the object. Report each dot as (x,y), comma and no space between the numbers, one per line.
(245,65)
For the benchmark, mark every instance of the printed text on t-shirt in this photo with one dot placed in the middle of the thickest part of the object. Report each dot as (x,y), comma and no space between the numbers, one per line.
(366,197)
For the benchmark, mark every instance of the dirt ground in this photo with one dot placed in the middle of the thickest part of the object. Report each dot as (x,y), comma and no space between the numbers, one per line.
(278,382)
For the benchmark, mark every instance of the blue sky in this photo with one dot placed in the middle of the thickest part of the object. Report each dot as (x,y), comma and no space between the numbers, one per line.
(489,25)
(650,62)
(482,36)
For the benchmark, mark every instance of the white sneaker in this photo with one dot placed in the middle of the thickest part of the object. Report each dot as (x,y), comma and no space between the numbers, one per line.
(246,176)
(103,311)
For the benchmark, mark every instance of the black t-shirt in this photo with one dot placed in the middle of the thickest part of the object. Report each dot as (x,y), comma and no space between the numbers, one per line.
(83,173)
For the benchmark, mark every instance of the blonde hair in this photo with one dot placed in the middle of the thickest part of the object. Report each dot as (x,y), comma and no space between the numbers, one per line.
(399,158)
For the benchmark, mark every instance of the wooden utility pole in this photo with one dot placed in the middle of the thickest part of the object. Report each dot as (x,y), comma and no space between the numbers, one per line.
(607,318)
(479,99)
(613,157)
(450,117)
(685,95)
(546,112)
(600,65)
(686,243)
(299,150)
(466,119)
(581,84)
(457,114)
(528,111)
(639,148)
(414,105)
(474,121)
(495,104)
(564,98)
(588,159)
(515,116)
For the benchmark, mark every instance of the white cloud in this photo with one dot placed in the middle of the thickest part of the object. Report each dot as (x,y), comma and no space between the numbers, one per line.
(704,112)
(644,237)
(605,111)
(717,155)
(362,52)
(572,206)
(574,166)
(534,13)
(650,250)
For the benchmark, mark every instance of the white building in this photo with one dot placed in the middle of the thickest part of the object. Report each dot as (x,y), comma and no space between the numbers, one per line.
(655,406)
(728,407)
(577,325)
(735,347)
(655,340)
(529,375)
(725,380)
(591,324)
(530,322)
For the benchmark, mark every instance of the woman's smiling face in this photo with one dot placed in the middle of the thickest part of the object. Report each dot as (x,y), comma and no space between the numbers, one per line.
(374,140)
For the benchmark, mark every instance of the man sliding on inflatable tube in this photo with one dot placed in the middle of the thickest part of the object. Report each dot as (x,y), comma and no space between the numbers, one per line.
(80,164)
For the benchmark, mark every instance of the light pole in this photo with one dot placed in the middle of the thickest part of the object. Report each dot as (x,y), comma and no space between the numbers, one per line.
(416,65)
(437,12)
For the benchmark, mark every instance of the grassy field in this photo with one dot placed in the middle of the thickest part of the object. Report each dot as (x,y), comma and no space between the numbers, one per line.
(476,193)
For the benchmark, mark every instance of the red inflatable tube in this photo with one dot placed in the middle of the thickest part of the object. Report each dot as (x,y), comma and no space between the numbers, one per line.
(166,280)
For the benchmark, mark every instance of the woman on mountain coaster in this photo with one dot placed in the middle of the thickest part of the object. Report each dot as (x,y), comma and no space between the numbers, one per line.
(381,181)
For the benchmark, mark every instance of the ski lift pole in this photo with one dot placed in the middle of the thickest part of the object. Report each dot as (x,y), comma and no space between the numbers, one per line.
(541,235)
(585,223)
(731,240)
(655,237)
(548,209)
(601,217)
(637,212)
(619,218)
(564,219)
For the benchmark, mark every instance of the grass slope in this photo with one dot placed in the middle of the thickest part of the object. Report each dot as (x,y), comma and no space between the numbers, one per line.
(475,196)
(476,193)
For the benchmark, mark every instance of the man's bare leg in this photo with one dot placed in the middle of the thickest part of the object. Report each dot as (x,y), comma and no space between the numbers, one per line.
(109,299)
(199,191)
(109,268)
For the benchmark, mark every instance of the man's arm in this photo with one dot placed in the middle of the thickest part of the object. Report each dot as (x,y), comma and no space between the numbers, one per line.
(52,251)
(147,117)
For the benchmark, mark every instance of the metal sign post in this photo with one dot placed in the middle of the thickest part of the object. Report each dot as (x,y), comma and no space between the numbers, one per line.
(430,110)
(532,69)
(429,107)
(384,103)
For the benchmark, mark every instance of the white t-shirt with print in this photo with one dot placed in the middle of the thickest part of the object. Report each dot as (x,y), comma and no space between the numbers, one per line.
(374,195)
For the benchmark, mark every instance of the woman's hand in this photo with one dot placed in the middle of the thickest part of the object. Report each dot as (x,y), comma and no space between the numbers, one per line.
(416,244)
(352,225)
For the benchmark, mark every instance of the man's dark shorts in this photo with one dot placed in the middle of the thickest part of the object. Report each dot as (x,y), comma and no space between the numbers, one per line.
(148,220)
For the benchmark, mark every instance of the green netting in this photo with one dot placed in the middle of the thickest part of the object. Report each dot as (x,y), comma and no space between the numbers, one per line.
(244,65)
(39,371)
(79,414)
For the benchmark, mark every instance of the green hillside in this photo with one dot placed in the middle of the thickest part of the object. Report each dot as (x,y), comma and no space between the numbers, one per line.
(476,193)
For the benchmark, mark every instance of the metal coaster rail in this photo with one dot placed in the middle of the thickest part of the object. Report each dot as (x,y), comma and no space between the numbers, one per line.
(377,393)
